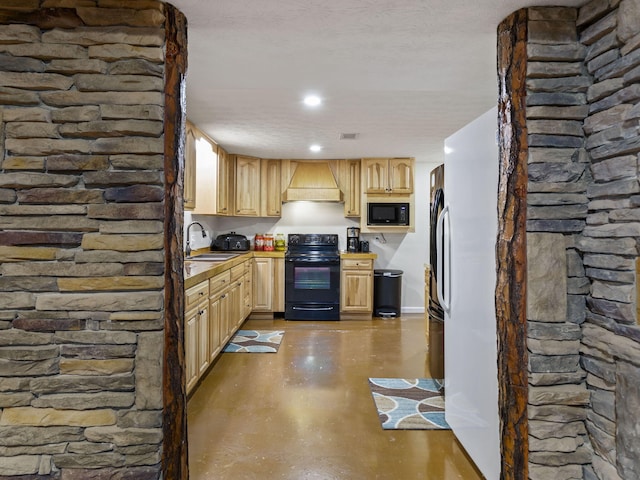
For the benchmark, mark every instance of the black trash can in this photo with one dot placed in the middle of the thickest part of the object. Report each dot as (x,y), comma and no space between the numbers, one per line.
(387,293)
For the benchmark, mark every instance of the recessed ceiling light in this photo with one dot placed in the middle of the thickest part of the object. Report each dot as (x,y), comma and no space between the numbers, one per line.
(312,100)
(315,148)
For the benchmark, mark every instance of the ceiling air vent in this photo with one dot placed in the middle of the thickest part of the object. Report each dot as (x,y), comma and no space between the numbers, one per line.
(348,136)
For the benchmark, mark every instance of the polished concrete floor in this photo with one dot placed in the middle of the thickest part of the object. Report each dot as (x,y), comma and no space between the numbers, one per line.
(306,412)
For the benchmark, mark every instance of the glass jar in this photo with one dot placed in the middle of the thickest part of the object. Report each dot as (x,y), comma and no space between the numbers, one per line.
(280,243)
(268,242)
(258,242)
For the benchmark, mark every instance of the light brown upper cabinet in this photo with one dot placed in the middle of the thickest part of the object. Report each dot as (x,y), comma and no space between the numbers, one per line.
(247,186)
(387,175)
(271,202)
(349,178)
(190,168)
(224,181)
(206,160)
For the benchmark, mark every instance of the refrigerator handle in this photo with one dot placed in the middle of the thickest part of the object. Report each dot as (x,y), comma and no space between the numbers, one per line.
(445,271)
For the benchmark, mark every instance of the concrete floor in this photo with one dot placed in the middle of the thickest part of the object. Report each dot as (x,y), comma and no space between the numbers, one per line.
(306,412)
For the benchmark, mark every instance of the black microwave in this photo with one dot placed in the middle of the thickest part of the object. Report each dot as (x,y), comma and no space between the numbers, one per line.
(389,214)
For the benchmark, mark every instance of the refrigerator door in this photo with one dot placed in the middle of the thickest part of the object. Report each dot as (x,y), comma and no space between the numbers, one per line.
(435,312)
(471,375)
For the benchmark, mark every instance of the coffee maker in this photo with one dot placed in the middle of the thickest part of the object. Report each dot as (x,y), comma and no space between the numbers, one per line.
(353,239)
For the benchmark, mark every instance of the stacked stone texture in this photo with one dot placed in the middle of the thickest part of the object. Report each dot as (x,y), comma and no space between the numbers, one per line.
(610,348)
(81,238)
(557,203)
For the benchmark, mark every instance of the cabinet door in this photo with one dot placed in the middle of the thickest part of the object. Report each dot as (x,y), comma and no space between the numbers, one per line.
(356,291)
(278,285)
(247,295)
(203,338)
(352,192)
(375,175)
(225,321)
(189,194)
(271,202)
(206,174)
(263,284)
(214,327)
(401,175)
(247,186)
(235,305)
(191,348)
(223,182)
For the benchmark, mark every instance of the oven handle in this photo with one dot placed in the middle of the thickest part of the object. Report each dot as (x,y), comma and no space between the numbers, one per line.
(320,260)
(313,309)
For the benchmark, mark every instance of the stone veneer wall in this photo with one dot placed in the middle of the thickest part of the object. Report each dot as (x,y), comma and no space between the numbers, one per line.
(81,238)
(610,347)
(583,229)
(558,171)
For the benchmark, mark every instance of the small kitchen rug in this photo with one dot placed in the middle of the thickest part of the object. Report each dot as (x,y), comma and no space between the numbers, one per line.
(255,341)
(409,403)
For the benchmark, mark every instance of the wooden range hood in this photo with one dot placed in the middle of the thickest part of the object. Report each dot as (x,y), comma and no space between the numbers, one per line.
(313,181)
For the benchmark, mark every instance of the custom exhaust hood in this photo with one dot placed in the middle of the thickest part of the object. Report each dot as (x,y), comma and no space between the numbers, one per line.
(312,181)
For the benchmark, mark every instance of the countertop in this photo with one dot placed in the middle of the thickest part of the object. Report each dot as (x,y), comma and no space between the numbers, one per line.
(362,255)
(199,271)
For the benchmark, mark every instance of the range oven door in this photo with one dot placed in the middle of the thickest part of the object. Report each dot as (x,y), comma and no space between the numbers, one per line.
(312,288)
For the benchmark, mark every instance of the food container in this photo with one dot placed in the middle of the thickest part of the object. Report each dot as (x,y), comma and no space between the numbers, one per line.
(280,243)
(258,242)
(268,242)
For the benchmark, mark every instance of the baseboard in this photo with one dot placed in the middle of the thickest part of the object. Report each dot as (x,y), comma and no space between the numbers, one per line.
(412,310)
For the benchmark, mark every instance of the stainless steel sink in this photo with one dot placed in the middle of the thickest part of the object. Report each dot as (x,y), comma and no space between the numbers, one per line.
(212,257)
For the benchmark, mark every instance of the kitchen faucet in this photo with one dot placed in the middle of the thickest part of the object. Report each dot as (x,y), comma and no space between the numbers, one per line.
(204,234)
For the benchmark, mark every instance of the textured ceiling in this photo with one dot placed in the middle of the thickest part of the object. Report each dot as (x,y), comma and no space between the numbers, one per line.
(403,74)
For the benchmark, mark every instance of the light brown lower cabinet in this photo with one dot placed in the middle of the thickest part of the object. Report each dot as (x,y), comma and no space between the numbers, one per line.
(268,286)
(196,327)
(356,288)
(237,296)
(218,311)
(247,292)
(215,310)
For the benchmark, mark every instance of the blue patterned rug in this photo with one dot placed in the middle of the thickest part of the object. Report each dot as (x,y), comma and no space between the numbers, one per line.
(255,341)
(409,403)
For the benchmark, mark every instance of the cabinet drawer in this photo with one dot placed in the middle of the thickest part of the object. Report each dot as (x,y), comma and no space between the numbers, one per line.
(237,272)
(195,295)
(356,264)
(220,281)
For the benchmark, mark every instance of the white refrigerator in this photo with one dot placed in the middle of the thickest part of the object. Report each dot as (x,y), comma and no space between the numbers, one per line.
(466,241)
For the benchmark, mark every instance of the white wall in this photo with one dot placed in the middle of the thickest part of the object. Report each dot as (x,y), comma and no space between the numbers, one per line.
(407,252)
